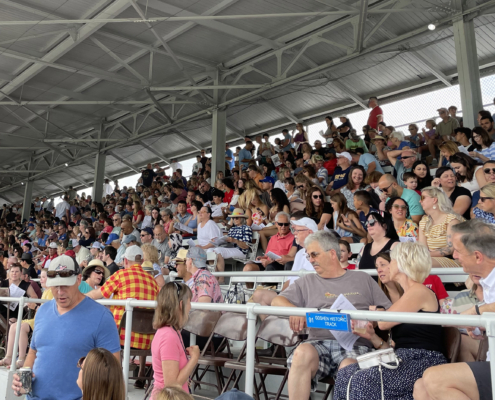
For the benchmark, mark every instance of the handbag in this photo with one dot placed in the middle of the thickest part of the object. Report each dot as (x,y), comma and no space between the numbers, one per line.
(235,295)
(380,358)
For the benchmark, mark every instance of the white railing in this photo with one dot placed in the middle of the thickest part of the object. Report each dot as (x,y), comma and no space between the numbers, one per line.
(252,310)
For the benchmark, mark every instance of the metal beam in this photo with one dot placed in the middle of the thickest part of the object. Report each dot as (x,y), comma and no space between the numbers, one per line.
(117,157)
(184,137)
(158,106)
(360,25)
(205,87)
(55,183)
(432,67)
(348,92)
(114,9)
(152,150)
(282,109)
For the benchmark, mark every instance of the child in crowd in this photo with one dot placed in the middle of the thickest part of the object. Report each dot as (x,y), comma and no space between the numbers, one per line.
(345,253)
(411,181)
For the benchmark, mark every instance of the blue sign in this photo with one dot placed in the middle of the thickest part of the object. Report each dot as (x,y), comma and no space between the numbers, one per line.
(326,320)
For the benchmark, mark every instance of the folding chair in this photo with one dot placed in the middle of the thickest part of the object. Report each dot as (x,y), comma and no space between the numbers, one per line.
(452,343)
(231,326)
(277,331)
(142,322)
(202,323)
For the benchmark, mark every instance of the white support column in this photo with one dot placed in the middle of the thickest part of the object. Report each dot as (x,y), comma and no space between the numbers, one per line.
(468,70)
(28,196)
(219,130)
(99,177)
(28,193)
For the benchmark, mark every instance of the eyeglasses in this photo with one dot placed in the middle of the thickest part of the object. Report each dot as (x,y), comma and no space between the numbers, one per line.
(406,157)
(482,199)
(397,207)
(319,196)
(62,274)
(97,271)
(144,235)
(283,223)
(385,190)
(80,362)
(371,222)
(489,170)
(312,255)
(300,186)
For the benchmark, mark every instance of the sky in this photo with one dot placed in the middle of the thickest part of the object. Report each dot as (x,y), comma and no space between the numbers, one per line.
(400,114)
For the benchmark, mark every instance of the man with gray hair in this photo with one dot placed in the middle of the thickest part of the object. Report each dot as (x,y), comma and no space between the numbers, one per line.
(322,355)
(473,248)
(279,244)
(408,158)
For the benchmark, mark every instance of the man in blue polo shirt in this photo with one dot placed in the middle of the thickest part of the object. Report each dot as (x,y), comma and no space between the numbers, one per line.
(341,174)
(229,156)
(389,186)
(245,155)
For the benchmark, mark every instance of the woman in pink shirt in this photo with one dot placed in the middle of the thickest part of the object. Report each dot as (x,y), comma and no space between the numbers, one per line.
(172,362)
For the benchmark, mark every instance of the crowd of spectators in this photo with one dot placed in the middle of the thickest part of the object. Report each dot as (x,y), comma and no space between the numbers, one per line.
(409,200)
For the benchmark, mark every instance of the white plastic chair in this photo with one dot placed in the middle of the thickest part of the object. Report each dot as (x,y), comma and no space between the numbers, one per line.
(356,247)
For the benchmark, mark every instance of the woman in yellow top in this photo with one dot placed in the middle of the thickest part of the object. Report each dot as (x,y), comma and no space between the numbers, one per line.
(405,227)
(435,227)
(27,326)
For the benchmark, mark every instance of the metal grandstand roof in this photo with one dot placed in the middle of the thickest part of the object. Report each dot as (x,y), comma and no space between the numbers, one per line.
(140,74)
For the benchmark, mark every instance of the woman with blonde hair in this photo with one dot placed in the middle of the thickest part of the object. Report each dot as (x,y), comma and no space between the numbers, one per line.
(435,227)
(256,210)
(173,392)
(151,263)
(447,150)
(418,346)
(303,185)
(283,174)
(100,377)
(485,209)
(172,362)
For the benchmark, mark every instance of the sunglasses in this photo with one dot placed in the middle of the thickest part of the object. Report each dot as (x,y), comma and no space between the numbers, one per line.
(371,222)
(179,288)
(482,199)
(423,197)
(144,235)
(80,362)
(300,187)
(385,190)
(62,274)
(406,157)
(97,271)
(283,223)
(397,207)
(489,170)
(319,196)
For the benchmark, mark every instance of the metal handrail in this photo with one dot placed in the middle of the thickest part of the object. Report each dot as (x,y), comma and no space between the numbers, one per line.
(252,310)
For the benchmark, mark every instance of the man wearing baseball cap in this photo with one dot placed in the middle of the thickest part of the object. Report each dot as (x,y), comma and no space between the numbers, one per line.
(66,329)
(204,285)
(267,186)
(130,282)
(341,174)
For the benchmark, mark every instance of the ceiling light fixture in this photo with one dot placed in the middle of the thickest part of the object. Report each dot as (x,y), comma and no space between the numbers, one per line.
(66,164)
(432,27)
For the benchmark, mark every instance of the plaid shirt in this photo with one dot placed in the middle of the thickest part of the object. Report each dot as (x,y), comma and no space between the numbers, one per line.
(133,283)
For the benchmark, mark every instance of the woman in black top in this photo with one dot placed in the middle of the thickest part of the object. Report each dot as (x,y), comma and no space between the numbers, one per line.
(417,346)
(422,171)
(459,196)
(15,273)
(317,208)
(384,235)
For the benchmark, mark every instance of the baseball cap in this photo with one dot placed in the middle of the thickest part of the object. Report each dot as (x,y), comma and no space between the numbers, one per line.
(70,253)
(128,239)
(30,225)
(96,245)
(111,238)
(354,134)
(133,252)
(26,256)
(53,245)
(234,394)
(306,222)
(443,109)
(318,158)
(148,230)
(344,154)
(198,255)
(59,264)
(268,179)
(342,116)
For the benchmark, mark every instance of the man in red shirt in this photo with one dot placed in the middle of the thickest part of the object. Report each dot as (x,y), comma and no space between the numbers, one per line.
(279,244)
(52,253)
(376,113)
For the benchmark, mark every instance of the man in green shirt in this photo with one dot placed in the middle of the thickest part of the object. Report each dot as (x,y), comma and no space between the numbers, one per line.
(446,127)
